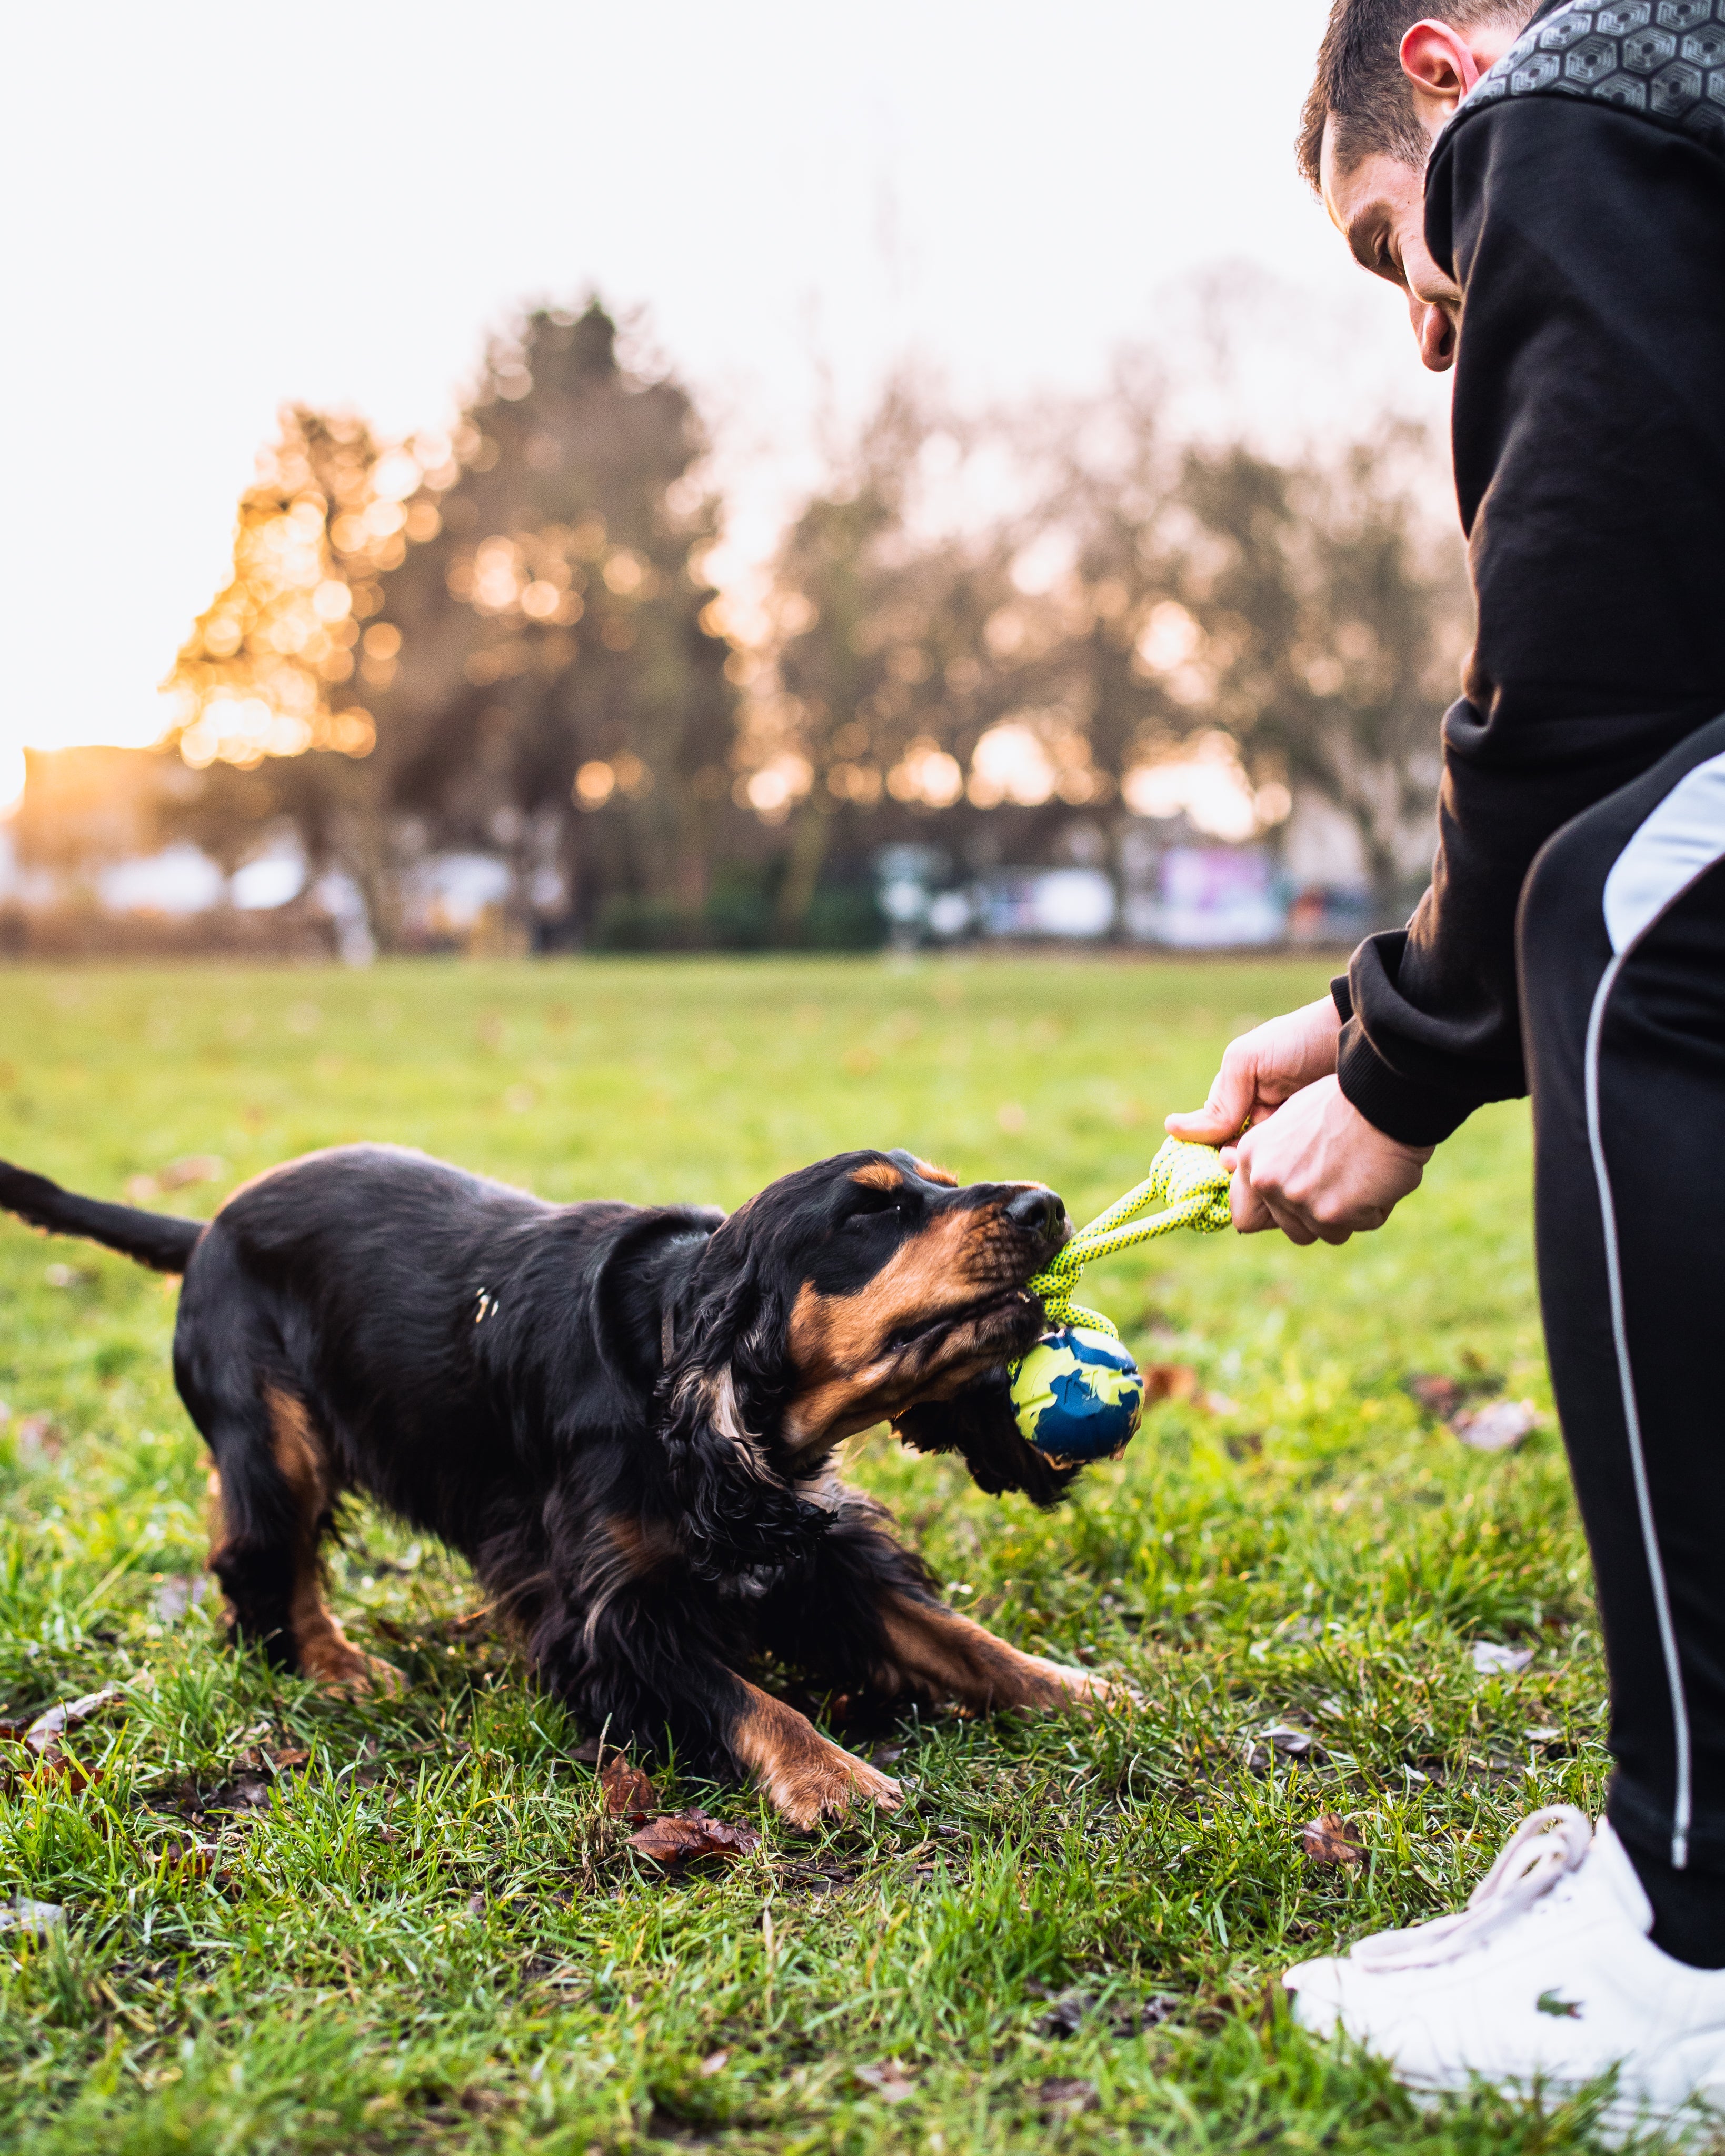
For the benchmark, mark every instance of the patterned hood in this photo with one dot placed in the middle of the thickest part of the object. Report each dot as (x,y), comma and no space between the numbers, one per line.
(1661,59)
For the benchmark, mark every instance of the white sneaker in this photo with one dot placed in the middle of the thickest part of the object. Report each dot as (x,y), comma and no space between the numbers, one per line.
(1546,1980)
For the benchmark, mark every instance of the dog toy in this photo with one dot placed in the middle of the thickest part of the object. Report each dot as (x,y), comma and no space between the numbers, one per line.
(1077,1395)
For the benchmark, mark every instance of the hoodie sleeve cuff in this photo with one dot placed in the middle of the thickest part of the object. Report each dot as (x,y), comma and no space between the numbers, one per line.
(1342,997)
(1410,1113)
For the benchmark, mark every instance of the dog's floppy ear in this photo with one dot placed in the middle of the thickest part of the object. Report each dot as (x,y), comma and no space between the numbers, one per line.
(725,1372)
(978,1425)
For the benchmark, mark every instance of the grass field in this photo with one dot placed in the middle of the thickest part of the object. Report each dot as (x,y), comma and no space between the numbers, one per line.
(427,1934)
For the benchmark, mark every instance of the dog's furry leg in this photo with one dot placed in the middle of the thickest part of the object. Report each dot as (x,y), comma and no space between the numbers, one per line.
(271,1495)
(935,1652)
(644,1659)
(867,1616)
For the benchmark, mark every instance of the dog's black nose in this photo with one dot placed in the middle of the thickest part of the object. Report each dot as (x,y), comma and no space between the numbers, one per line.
(1038,1212)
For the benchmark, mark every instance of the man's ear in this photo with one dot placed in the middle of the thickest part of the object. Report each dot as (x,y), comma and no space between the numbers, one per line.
(1440,67)
(979,1426)
(735,1514)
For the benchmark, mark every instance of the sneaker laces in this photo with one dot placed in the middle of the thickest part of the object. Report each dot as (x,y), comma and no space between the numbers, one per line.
(1542,1852)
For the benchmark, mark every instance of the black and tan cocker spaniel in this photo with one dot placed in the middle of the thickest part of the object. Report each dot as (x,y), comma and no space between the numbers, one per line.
(621,1416)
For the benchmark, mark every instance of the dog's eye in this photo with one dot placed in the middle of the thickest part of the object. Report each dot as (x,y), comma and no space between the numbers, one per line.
(870,1205)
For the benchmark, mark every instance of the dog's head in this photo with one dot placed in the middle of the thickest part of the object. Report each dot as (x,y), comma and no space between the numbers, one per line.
(868,1288)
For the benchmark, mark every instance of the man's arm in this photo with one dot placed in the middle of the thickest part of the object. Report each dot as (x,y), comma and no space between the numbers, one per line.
(1590,441)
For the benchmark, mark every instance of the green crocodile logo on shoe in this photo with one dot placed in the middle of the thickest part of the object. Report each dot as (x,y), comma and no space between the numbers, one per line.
(1562,2009)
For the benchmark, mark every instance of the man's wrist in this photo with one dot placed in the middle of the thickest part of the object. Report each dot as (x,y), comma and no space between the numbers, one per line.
(1417,1116)
(1326,1030)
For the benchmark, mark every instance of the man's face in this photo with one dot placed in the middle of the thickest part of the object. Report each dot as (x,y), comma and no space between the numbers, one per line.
(1379,207)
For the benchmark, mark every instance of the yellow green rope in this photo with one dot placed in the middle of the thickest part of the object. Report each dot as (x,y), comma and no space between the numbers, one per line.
(1188,1179)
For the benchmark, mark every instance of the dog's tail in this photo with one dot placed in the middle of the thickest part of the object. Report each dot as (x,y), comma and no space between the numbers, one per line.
(156,1239)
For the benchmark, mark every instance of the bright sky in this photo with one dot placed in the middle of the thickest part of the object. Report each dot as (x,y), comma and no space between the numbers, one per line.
(216,207)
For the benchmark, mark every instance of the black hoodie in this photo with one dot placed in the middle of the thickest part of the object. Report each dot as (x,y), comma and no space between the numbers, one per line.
(1578,198)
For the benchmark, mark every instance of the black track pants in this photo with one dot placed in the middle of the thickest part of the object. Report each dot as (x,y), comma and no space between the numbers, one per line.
(1622,958)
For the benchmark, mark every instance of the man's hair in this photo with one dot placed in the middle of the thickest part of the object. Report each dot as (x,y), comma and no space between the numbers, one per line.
(1360,89)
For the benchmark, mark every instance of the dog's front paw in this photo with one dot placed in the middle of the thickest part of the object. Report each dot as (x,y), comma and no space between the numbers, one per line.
(825,1783)
(344,1668)
(1084,1689)
(806,1776)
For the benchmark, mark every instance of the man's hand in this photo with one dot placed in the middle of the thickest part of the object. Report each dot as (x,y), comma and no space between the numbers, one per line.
(1318,1170)
(1309,1163)
(1260,1070)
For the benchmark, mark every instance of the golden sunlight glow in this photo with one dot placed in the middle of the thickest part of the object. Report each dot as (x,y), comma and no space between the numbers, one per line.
(772,790)
(396,475)
(12,779)
(633,776)
(1204,779)
(1171,650)
(242,729)
(594,783)
(353,732)
(927,773)
(1009,763)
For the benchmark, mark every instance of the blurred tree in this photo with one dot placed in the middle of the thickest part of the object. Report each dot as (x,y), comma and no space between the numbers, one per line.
(1325,634)
(268,708)
(900,645)
(1292,620)
(267,668)
(547,669)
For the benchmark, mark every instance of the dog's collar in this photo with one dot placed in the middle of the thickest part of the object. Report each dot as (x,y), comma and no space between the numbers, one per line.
(667,1337)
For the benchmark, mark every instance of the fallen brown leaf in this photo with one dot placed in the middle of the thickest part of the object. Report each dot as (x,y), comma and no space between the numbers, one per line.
(1438,1395)
(629,1793)
(195,1168)
(1067,2015)
(1492,1660)
(245,1793)
(179,1592)
(1327,1839)
(888,2080)
(44,1733)
(1498,1427)
(39,1438)
(191,1859)
(57,1767)
(1169,1381)
(1063,2096)
(1149,2014)
(295,1755)
(689,1836)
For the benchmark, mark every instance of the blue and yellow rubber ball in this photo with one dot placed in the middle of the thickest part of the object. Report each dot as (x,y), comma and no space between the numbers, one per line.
(1077,1396)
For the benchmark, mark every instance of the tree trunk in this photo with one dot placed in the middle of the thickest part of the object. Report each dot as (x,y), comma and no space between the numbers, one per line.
(808,853)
